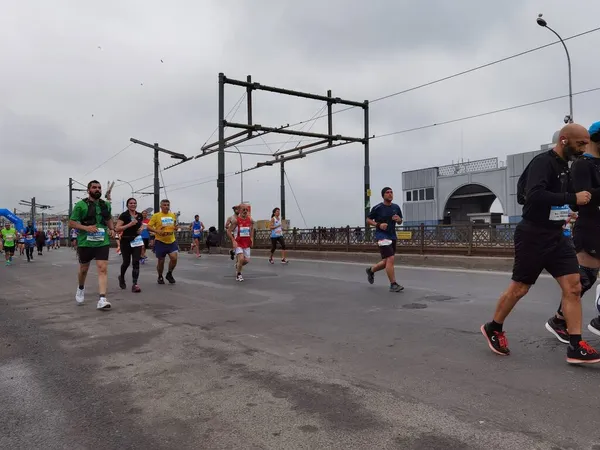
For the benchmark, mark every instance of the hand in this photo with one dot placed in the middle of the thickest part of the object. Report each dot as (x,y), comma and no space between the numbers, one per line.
(111,233)
(133,223)
(583,197)
(383,226)
(91,229)
(396,218)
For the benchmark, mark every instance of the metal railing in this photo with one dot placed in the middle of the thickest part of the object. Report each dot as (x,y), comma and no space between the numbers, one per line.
(463,239)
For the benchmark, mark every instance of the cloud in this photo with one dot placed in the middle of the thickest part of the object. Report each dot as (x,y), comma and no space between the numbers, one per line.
(55,78)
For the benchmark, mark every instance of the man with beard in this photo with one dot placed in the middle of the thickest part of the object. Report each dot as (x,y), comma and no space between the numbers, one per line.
(92,217)
(586,232)
(546,191)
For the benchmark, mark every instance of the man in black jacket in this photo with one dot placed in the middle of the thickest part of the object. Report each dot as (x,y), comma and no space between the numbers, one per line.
(540,243)
(586,232)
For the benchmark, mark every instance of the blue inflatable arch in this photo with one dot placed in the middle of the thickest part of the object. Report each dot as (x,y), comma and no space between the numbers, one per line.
(19,226)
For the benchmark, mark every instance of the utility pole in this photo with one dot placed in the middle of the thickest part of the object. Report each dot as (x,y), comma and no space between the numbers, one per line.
(157,149)
(282,187)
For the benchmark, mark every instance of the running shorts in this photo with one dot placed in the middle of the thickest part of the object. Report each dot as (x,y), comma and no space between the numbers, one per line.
(245,251)
(87,254)
(587,240)
(9,250)
(537,249)
(161,249)
(274,242)
(388,250)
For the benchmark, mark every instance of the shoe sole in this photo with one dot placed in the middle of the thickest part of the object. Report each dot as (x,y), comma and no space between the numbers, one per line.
(593,330)
(556,335)
(579,361)
(104,308)
(122,286)
(79,303)
(489,343)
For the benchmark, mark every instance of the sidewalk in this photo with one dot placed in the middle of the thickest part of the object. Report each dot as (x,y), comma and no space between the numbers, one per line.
(490,263)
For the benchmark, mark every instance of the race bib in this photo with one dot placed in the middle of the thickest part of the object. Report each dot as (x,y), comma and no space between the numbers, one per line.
(10,238)
(167,221)
(244,231)
(559,213)
(196,232)
(278,231)
(384,242)
(98,236)
(137,242)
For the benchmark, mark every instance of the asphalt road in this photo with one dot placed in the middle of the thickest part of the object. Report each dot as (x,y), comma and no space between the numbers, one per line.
(304,356)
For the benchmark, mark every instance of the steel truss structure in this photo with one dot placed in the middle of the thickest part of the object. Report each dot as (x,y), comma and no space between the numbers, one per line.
(252,131)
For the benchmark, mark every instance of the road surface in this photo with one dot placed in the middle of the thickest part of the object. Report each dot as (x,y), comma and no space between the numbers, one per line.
(304,356)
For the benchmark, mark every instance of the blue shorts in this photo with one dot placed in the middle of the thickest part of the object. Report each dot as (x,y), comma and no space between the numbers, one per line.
(161,249)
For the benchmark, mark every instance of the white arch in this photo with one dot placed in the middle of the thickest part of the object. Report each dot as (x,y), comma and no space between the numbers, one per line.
(473,184)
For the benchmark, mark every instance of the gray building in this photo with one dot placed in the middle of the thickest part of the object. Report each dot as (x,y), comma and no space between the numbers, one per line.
(449,194)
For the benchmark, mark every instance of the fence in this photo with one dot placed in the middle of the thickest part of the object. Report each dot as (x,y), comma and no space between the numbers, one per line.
(463,239)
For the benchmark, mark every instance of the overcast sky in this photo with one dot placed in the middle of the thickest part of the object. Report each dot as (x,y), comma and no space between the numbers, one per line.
(80,78)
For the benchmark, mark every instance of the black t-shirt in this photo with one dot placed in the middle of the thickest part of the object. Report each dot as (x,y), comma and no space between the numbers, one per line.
(130,233)
(586,177)
(548,191)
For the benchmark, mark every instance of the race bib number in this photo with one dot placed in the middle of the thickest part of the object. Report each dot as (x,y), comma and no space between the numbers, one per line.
(244,231)
(137,242)
(98,236)
(167,221)
(384,242)
(559,213)
(10,238)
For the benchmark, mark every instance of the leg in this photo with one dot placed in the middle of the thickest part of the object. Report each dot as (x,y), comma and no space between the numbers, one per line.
(82,275)
(136,254)
(160,266)
(126,252)
(197,244)
(509,298)
(273,248)
(282,243)
(172,261)
(102,267)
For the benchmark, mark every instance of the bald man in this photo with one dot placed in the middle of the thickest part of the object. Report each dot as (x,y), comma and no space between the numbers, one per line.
(586,232)
(546,191)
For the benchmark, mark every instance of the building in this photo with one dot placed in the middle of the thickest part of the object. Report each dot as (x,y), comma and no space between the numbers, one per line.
(455,193)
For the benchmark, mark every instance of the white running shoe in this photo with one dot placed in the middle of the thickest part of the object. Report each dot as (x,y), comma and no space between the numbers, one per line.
(103,303)
(239,278)
(80,296)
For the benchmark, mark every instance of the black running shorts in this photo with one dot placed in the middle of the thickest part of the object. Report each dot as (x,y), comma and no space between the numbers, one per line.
(388,250)
(587,239)
(537,249)
(87,254)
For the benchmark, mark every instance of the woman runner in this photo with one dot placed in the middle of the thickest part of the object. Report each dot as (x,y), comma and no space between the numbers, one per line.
(277,235)
(129,225)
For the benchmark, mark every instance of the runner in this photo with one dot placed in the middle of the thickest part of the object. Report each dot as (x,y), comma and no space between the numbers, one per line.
(29,234)
(164,224)
(9,239)
(197,228)
(545,190)
(241,233)
(145,236)
(236,210)
(277,235)
(74,234)
(384,218)
(129,225)
(40,238)
(118,239)
(92,217)
(21,243)
(586,231)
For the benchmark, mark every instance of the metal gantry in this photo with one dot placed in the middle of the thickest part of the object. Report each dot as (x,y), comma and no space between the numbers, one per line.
(251,130)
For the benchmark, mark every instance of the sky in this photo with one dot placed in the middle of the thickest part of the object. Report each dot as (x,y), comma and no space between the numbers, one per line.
(79,79)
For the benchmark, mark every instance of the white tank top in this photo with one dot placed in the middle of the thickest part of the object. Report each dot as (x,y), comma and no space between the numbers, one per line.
(278,230)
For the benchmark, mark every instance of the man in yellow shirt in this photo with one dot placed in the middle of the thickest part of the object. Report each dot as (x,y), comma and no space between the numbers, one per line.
(164,225)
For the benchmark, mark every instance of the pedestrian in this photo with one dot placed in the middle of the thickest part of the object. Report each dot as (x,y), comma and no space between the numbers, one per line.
(129,226)
(92,217)
(545,190)
(164,224)
(384,217)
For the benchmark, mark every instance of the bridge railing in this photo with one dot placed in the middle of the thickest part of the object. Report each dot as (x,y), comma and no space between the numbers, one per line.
(462,239)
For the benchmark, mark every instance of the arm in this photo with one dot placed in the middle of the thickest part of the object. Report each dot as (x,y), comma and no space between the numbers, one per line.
(230,228)
(111,227)
(252,234)
(536,189)
(272,226)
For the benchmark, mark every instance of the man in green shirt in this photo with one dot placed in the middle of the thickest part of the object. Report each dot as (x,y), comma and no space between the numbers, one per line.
(92,217)
(9,238)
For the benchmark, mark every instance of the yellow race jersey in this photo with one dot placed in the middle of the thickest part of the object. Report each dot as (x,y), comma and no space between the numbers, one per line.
(165,223)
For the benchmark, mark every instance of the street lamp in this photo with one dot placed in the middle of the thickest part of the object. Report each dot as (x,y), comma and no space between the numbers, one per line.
(542,23)
(127,182)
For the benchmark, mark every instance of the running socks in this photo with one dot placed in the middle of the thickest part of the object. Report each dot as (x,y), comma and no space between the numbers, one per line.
(574,340)
(495,326)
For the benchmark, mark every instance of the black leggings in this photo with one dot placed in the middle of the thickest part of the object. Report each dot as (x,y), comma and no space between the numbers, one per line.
(29,252)
(128,253)
(274,242)
(40,247)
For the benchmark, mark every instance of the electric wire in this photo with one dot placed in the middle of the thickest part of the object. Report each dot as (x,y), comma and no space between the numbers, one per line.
(109,159)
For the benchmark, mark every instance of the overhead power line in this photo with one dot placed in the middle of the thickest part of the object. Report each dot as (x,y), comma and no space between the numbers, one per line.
(458,74)
(474,116)
(112,157)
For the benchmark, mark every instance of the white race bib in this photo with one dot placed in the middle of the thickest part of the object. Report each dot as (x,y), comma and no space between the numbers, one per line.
(196,232)
(278,232)
(137,242)
(384,242)
(244,231)
(559,213)
(98,236)
(167,221)
(10,238)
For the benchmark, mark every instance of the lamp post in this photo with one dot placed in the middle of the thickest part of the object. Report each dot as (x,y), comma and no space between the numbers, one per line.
(542,23)
(127,182)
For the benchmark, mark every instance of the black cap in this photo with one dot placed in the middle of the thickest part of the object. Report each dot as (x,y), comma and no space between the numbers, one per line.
(384,190)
